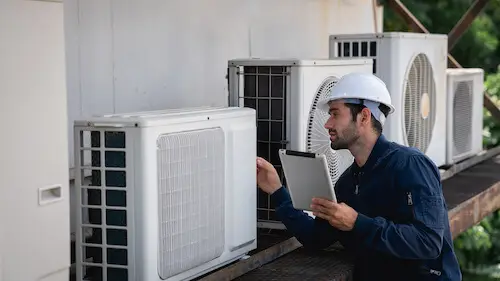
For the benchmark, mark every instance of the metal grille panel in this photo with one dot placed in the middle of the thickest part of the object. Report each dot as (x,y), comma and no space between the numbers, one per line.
(103,240)
(265,91)
(420,103)
(462,117)
(358,48)
(191,199)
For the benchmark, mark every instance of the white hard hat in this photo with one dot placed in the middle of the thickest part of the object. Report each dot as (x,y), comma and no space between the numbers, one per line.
(363,88)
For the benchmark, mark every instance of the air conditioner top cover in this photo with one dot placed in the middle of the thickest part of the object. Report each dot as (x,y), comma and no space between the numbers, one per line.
(163,117)
(298,62)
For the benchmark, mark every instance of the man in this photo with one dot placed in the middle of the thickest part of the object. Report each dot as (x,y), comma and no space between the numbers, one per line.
(391,212)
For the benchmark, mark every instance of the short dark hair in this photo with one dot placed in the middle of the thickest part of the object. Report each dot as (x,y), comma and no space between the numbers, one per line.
(356,109)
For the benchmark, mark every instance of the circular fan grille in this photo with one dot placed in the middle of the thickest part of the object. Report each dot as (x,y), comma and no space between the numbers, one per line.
(318,139)
(462,119)
(420,103)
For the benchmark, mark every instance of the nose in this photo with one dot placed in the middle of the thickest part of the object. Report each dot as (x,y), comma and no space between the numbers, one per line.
(329,123)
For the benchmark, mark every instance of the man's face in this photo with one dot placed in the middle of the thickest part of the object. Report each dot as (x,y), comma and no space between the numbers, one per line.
(342,129)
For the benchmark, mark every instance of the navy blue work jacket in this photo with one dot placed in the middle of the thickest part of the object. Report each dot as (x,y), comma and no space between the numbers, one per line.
(402,231)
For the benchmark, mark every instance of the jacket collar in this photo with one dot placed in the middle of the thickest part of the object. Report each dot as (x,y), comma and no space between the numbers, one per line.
(378,150)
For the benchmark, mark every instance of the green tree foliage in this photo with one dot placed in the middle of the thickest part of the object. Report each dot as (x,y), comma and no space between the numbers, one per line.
(491,135)
(477,47)
(478,248)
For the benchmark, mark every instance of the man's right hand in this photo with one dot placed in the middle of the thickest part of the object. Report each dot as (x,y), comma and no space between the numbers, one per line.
(267,178)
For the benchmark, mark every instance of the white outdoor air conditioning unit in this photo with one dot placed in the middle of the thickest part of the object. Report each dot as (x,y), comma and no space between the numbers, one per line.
(465,113)
(171,194)
(285,93)
(413,66)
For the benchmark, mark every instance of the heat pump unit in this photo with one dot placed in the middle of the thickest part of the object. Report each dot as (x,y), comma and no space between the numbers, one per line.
(413,66)
(285,93)
(464,127)
(171,194)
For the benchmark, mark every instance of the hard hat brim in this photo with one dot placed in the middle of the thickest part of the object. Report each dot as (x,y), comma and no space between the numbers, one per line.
(324,105)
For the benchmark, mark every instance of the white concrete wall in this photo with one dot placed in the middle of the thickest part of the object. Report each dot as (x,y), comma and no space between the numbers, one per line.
(34,237)
(130,55)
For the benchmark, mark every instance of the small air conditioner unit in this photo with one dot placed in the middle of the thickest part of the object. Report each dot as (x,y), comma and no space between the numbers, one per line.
(413,66)
(464,127)
(171,195)
(285,93)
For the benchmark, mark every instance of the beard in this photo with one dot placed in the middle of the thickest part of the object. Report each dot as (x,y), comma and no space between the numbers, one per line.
(348,137)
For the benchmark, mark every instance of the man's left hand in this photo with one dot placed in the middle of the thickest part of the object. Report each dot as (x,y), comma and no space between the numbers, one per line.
(339,215)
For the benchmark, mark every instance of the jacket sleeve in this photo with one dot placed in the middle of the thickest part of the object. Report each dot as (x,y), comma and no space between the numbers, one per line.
(423,237)
(314,233)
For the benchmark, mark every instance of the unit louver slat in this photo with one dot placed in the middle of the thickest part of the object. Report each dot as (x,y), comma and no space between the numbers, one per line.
(462,117)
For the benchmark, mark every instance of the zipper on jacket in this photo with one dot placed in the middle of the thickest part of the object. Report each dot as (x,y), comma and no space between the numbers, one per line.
(357,181)
(410,202)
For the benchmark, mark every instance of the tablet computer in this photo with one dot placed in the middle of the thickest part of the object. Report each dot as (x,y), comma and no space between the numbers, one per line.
(307,176)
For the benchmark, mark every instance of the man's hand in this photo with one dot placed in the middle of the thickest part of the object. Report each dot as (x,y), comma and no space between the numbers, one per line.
(267,178)
(339,215)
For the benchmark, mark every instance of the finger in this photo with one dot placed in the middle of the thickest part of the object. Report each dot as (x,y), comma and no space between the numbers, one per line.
(319,201)
(319,208)
(322,215)
(323,202)
(263,164)
(260,163)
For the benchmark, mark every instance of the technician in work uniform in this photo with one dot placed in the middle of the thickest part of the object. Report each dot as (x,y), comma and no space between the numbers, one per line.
(391,212)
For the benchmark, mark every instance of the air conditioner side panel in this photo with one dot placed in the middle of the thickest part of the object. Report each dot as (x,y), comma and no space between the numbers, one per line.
(241,199)
(390,69)
(477,114)
(234,86)
(296,98)
(450,94)
(146,204)
(438,55)
(132,192)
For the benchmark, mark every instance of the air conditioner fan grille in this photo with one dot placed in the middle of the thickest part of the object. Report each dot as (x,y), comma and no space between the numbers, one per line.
(420,103)
(318,138)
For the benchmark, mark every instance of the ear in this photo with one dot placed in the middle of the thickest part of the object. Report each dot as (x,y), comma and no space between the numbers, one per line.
(365,116)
